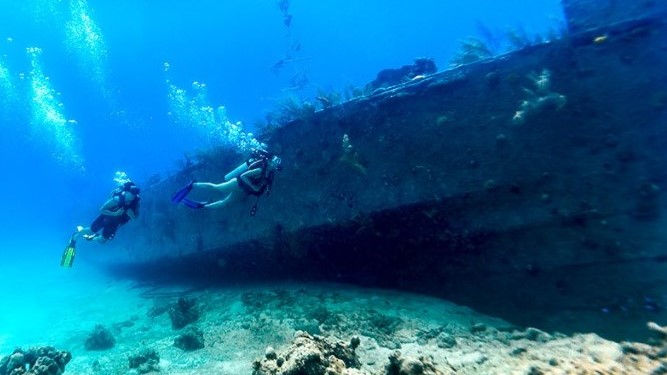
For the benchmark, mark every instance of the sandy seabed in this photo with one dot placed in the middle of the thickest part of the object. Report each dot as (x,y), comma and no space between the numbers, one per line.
(240,322)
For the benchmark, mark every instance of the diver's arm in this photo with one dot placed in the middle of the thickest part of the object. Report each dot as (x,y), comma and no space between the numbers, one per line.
(255,164)
(133,212)
(109,205)
(251,173)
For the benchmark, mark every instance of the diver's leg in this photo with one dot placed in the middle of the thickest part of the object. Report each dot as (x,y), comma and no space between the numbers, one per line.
(224,187)
(228,188)
(89,232)
(81,231)
(109,230)
(222,203)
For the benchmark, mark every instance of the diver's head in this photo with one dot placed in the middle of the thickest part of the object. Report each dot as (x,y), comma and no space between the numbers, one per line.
(275,163)
(132,188)
(260,153)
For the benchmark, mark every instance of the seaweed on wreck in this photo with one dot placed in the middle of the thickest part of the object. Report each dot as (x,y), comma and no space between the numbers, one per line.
(471,50)
(290,107)
(328,98)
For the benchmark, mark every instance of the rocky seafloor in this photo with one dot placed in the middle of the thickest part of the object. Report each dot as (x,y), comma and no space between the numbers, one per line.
(323,329)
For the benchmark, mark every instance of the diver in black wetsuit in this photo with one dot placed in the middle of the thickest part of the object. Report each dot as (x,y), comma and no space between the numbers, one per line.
(116,211)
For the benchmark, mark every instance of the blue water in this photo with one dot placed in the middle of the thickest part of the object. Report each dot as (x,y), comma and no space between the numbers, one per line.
(89,88)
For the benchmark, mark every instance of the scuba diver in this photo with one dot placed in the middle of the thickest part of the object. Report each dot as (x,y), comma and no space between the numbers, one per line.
(253,177)
(122,206)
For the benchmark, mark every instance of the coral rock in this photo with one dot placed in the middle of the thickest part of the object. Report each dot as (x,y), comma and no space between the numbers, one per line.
(411,366)
(311,355)
(100,339)
(189,340)
(36,361)
(146,361)
(184,312)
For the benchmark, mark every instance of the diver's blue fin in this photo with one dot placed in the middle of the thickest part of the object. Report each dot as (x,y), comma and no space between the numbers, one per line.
(182,193)
(193,204)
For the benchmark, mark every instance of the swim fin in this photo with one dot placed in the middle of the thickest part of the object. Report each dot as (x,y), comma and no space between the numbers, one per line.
(193,204)
(69,253)
(178,196)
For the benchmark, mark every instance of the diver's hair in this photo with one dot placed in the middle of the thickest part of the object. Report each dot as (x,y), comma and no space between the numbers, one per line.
(261,153)
(131,187)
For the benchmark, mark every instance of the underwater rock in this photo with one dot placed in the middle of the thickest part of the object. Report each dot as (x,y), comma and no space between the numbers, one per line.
(531,334)
(655,327)
(45,360)
(478,328)
(146,361)
(270,353)
(383,323)
(423,336)
(191,339)
(411,366)
(534,370)
(184,312)
(445,340)
(380,327)
(310,355)
(354,342)
(46,366)
(100,339)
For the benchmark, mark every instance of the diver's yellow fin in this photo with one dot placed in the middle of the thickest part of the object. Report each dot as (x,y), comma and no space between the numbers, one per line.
(69,253)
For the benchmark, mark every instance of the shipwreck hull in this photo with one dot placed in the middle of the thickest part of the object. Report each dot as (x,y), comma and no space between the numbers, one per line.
(553,219)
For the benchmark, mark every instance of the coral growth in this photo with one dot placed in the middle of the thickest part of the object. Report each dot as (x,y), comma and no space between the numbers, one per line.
(45,360)
(184,312)
(145,362)
(639,358)
(539,98)
(471,50)
(315,355)
(391,77)
(328,98)
(350,155)
(191,339)
(289,108)
(100,339)
(311,355)
(410,366)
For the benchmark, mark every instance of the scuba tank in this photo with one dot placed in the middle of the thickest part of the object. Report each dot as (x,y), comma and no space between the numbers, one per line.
(237,171)
(254,156)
